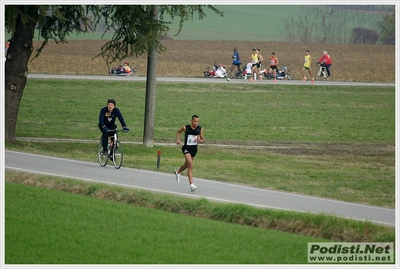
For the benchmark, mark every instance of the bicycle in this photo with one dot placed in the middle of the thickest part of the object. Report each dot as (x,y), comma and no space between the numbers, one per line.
(280,74)
(322,74)
(209,72)
(117,70)
(114,150)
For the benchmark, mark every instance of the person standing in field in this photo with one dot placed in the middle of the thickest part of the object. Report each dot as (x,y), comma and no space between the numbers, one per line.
(307,66)
(273,64)
(193,136)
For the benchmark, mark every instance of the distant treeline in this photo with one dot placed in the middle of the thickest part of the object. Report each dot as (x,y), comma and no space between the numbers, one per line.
(365,7)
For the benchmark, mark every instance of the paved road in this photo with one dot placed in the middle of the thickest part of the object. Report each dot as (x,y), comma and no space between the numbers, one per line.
(212,80)
(212,190)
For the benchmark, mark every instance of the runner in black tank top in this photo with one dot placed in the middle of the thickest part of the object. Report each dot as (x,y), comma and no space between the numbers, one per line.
(193,136)
(191,140)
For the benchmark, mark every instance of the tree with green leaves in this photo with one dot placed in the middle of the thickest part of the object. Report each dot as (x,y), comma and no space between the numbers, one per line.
(136,32)
(387,28)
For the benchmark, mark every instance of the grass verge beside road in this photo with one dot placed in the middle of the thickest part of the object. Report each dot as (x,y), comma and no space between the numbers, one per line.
(75,222)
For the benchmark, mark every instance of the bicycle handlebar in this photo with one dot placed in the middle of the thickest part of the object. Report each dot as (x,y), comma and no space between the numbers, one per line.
(116,130)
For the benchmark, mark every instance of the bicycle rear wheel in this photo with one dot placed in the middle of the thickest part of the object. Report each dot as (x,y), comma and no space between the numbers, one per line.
(135,70)
(118,154)
(112,68)
(103,158)
(290,74)
(269,76)
(207,71)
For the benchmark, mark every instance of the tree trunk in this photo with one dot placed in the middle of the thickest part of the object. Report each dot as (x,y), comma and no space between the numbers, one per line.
(16,71)
(149,114)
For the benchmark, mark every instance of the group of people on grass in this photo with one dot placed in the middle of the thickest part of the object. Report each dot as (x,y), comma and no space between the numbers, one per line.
(253,67)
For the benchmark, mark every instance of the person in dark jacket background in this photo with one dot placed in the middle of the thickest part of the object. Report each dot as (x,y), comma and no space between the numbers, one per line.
(107,117)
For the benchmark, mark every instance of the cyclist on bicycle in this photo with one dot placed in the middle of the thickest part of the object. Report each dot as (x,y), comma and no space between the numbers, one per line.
(107,117)
(326,62)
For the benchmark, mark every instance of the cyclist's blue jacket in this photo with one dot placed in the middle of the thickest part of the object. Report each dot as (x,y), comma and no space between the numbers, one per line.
(107,119)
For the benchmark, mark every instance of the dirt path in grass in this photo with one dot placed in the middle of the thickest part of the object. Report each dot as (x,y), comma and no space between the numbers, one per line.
(289,148)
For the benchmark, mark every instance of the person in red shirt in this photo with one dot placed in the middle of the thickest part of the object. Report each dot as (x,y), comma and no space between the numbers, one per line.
(273,64)
(326,61)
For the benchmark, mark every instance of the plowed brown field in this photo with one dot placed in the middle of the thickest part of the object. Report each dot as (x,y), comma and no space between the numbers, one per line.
(361,63)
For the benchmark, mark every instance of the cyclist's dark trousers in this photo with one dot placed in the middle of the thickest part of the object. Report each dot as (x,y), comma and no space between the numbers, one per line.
(327,67)
(105,139)
(105,136)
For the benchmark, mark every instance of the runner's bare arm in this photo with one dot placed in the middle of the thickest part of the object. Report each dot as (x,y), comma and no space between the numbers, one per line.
(178,134)
(201,136)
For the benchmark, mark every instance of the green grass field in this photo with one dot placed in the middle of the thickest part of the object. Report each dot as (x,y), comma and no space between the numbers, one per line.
(76,229)
(249,22)
(261,22)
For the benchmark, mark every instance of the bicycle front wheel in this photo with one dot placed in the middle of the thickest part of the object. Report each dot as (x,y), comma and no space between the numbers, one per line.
(321,74)
(135,70)
(290,74)
(118,154)
(103,158)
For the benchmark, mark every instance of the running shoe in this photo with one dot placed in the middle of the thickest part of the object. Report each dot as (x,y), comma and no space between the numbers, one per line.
(312,80)
(193,188)
(304,79)
(177,176)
